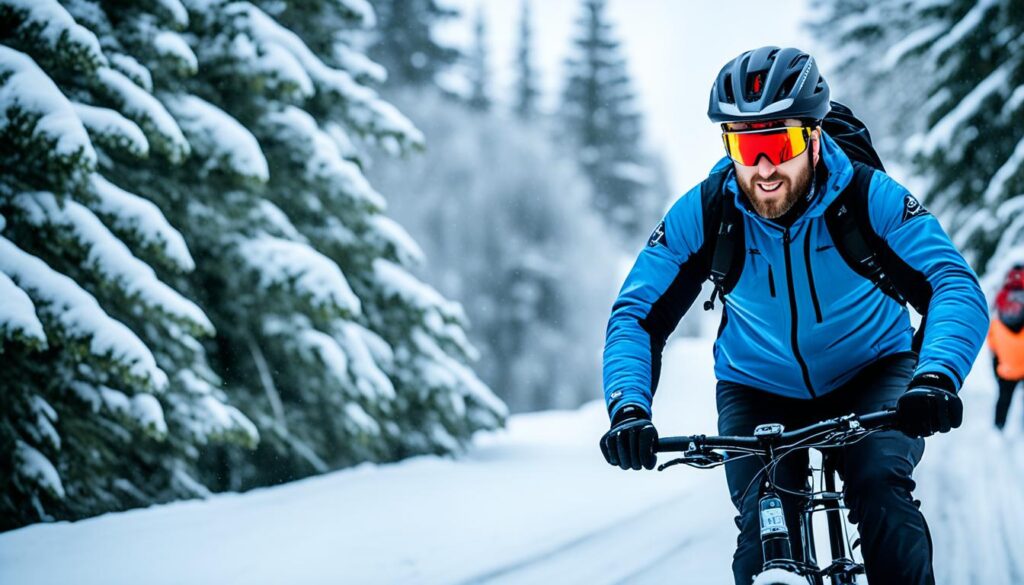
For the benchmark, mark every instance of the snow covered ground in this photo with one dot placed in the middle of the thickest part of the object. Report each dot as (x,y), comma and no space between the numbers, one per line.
(532,504)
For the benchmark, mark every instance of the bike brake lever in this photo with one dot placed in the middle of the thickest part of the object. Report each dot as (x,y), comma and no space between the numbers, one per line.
(700,459)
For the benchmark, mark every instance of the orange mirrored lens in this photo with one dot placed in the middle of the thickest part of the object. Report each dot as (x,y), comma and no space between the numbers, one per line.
(779,145)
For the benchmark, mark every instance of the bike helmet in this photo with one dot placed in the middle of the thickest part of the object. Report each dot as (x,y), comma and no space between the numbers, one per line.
(768,84)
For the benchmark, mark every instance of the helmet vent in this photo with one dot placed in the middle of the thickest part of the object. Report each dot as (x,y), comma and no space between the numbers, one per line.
(727,85)
(787,86)
(755,85)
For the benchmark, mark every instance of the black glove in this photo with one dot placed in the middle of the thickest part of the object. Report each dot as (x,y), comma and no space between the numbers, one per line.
(630,442)
(929,406)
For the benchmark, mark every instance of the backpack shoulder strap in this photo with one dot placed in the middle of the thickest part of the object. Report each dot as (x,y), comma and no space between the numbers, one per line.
(723,236)
(849,223)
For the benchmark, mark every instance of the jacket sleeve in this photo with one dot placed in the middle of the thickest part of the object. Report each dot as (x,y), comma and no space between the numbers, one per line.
(662,284)
(958,317)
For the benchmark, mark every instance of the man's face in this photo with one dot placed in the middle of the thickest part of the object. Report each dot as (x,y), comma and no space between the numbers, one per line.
(773,189)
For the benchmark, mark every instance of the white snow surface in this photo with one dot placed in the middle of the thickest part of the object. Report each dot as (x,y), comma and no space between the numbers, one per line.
(31,90)
(534,503)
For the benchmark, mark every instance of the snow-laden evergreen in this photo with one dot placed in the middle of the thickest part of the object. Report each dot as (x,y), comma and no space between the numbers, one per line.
(604,125)
(181,171)
(406,41)
(478,66)
(506,222)
(336,352)
(107,395)
(950,74)
(527,93)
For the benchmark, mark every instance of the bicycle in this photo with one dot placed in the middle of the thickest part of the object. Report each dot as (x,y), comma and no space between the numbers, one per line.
(773,442)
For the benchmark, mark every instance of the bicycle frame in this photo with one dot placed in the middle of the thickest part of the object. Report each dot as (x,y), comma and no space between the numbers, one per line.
(772,442)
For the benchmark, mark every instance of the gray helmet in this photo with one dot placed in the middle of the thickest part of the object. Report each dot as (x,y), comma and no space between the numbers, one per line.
(767,84)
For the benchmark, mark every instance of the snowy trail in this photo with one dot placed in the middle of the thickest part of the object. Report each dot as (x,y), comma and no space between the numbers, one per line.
(532,504)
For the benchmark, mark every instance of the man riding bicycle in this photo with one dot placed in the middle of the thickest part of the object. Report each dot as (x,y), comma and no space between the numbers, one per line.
(827,253)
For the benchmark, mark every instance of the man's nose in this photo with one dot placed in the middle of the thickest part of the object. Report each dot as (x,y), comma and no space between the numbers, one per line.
(765,168)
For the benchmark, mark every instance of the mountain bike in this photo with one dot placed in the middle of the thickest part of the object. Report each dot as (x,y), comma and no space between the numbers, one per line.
(772,443)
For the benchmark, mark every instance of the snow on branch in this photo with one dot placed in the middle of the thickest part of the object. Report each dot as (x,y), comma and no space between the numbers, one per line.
(172,46)
(47,23)
(111,129)
(111,257)
(366,351)
(968,23)
(76,312)
(30,464)
(327,350)
(133,70)
(363,108)
(359,65)
(313,275)
(1000,182)
(140,105)
(942,132)
(323,160)
(18,314)
(909,44)
(132,213)
(28,91)
(392,234)
(219,138)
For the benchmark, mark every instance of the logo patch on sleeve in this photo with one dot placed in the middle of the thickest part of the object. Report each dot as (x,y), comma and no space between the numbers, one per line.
(912,208)
(658,236)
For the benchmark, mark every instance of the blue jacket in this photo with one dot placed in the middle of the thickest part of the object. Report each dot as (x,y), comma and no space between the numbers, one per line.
(799,322)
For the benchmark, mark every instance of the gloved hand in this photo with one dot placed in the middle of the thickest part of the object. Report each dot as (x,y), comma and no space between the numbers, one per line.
(929,406)
(630,442)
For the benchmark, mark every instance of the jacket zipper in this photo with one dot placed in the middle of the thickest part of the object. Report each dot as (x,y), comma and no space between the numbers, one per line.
(792,308)
(810,275)
(771,275)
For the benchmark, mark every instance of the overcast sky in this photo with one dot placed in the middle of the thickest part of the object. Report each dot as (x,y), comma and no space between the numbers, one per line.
(674,50)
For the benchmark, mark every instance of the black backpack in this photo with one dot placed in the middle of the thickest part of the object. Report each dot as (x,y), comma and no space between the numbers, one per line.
(846,218)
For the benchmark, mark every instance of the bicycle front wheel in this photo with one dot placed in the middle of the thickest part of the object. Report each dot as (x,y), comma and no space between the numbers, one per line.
(781,577)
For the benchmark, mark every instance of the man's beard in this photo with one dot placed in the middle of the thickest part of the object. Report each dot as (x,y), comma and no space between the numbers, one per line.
(776,208)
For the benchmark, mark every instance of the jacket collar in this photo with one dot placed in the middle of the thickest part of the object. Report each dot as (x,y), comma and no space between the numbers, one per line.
(840,173)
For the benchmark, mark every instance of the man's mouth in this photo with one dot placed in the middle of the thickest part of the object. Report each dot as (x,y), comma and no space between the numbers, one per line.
(770,187)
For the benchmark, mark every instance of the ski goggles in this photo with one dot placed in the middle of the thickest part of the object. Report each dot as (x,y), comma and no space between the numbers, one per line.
(779,144)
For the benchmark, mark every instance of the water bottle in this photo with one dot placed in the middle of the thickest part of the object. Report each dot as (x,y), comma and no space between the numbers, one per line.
(774,534)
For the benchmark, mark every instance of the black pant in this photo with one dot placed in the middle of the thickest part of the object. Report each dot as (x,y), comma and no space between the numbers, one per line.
(1006,388)
(876,472)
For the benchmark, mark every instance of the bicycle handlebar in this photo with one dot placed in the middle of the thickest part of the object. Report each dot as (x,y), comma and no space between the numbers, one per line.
(871,421)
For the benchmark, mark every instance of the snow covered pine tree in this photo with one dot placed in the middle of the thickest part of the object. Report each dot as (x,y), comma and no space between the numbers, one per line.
(323,338)
(967,59)
(603,121)
(106,395)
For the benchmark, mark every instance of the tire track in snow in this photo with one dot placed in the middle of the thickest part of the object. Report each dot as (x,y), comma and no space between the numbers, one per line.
(614,552)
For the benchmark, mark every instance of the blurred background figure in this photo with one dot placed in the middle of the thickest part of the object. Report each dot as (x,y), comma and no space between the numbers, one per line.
(1006,341)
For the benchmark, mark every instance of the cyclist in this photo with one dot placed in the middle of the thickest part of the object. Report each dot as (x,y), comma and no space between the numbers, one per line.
(803,337)
(1006,340)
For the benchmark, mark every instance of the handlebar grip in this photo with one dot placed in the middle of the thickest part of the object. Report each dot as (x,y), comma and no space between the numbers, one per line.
(884,418)
(670,444)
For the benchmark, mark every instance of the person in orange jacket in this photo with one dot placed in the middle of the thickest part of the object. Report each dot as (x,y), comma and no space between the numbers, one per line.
(1006,340)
